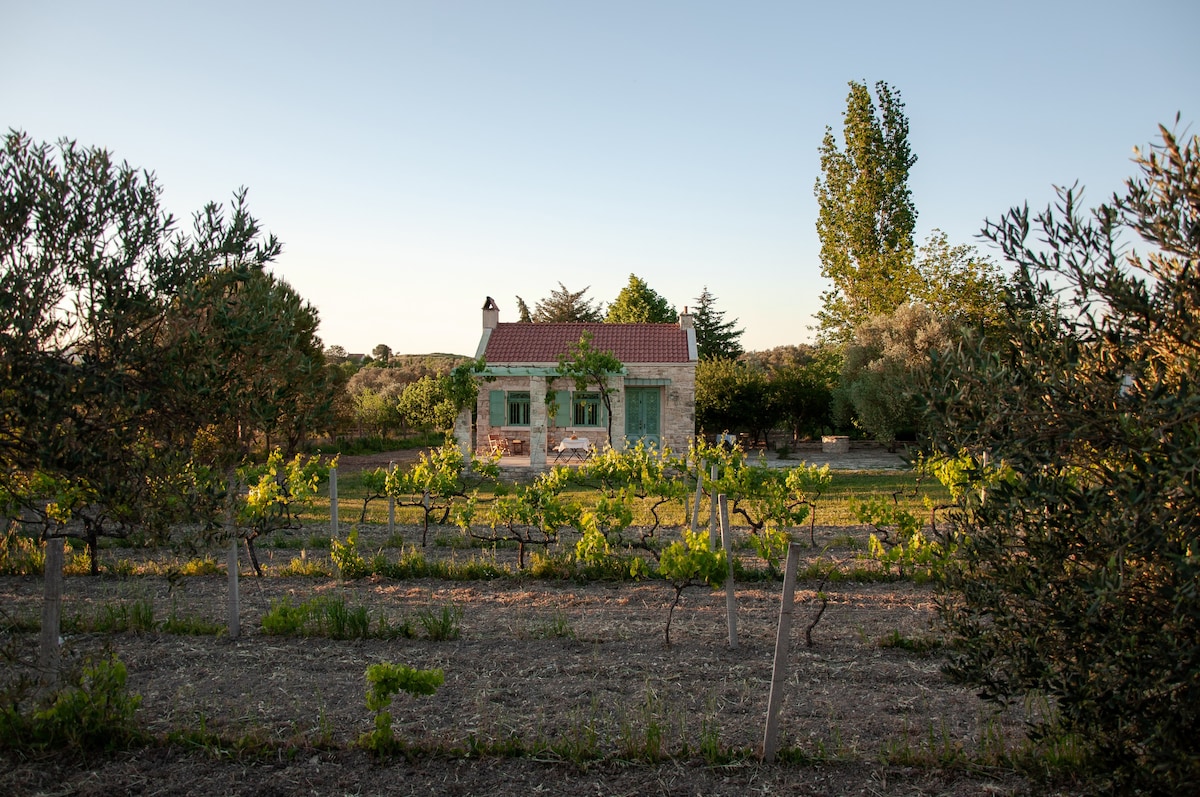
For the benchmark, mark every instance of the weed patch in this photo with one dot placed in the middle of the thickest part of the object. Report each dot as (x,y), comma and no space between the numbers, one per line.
(329,617)
(95,712)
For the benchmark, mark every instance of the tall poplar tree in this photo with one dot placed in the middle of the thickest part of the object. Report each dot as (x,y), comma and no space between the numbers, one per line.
(866,214)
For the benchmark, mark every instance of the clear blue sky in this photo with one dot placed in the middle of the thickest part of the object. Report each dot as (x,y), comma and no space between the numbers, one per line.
(415,157)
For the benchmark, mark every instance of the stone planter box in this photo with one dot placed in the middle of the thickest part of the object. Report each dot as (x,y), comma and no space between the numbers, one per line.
(835,444)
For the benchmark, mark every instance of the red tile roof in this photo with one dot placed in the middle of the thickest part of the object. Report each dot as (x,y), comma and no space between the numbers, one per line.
(543,343)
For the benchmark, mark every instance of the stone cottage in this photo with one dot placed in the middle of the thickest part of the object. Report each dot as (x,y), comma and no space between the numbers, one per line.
(653,397)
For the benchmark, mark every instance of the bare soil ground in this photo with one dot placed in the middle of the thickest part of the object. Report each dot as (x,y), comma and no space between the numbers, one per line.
(352,463)
(572,667)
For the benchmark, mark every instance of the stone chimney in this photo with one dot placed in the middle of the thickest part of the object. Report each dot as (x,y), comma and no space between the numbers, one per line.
(491,314)
(687,323)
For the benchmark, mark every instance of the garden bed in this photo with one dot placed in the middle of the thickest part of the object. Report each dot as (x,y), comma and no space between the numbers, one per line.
(549,686)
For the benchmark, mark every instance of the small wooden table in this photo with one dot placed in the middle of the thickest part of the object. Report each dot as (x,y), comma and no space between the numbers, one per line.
(577,448)
(517,445)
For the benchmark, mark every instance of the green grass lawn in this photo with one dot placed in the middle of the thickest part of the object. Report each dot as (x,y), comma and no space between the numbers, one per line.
(834,508)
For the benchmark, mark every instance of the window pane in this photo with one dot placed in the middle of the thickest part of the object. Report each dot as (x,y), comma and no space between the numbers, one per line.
(586,409)
(518,409)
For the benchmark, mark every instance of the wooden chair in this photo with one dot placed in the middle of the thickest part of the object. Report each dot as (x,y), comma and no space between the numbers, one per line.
(498,444)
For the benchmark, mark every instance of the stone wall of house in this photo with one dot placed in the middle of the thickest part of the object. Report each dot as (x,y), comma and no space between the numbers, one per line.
(483,417)
(677,424)
(679,401)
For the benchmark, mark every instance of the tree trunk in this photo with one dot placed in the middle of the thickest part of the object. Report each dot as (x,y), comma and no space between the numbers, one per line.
(671,613)
(93,565)
(425,505)
(253,557)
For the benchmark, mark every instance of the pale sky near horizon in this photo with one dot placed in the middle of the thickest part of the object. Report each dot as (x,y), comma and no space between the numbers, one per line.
(415,157)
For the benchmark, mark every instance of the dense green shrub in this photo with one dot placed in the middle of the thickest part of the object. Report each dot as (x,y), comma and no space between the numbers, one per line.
(1078,521)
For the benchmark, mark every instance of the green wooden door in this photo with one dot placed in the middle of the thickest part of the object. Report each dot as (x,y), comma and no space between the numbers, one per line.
(642,408)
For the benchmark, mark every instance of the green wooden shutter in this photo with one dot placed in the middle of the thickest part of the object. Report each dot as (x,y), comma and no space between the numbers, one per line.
(563,412)
(496,407)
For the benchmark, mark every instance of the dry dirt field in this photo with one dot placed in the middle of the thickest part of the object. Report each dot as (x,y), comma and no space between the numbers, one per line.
(557,665)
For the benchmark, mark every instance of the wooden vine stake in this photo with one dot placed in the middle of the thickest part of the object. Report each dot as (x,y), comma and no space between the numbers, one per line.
(712,515)
(333,508)
(730,593)
(699,495)
(52,574)
(782,639)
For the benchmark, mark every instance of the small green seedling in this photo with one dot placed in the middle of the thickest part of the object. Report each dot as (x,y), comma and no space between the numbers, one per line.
(384,680)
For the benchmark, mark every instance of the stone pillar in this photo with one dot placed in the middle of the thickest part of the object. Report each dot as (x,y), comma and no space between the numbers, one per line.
(483,418)
(537,421)
(462,432)
(617,385)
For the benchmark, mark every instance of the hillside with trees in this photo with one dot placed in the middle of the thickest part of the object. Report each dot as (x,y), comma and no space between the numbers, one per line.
(400,395)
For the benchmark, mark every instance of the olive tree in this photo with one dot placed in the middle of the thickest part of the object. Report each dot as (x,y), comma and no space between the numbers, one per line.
(245,348)
(426,404)
(883,366)
(97,404)
(733,397)
(964,287)
(1078,509)
(92,395)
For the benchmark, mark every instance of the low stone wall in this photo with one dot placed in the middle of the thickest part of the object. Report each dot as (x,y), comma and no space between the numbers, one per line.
(835,444)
